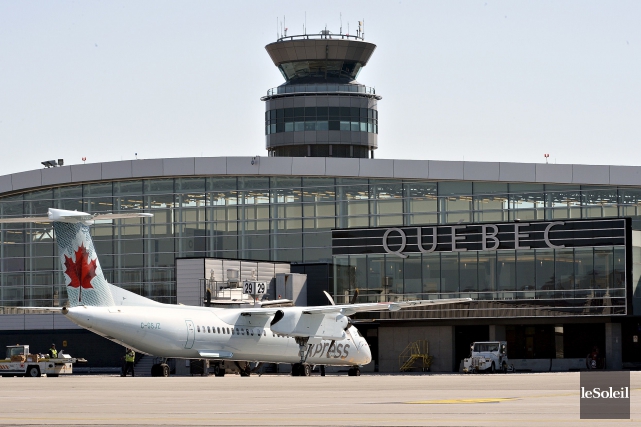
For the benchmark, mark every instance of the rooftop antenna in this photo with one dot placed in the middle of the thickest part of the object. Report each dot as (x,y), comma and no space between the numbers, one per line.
(363,32)
(284,25)
(341,30)
(305,25)
(348,28)
(277,28)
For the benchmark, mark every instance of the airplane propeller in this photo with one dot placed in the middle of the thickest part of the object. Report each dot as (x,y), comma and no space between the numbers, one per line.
(354,297)
(352,301)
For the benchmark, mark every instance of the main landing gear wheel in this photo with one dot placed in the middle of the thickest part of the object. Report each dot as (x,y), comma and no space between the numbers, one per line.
(354,372)
(164,370)
(301,370)
(219,371)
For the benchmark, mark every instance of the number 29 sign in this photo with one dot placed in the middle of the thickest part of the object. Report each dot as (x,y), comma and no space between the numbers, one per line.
(254,288)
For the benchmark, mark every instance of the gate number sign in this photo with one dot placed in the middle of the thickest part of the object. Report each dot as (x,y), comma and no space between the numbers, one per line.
(254,288)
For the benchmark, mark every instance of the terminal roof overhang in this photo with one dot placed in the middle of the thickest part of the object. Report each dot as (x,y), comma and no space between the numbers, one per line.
(436,170)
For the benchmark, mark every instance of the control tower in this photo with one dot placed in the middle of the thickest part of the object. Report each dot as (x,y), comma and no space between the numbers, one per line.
(321,110)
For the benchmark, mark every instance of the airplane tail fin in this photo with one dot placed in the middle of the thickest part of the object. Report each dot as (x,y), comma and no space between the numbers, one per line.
(86,284)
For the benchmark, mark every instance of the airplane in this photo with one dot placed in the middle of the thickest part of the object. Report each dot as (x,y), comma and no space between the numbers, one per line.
(301,336)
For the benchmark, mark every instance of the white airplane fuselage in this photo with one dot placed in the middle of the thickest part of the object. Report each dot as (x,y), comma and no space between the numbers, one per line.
(188,332)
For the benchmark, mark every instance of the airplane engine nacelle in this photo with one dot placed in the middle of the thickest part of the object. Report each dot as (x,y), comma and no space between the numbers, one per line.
(294,323)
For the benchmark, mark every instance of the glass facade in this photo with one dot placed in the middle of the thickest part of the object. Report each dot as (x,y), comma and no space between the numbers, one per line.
(321,118)
(290,219)
(571,280)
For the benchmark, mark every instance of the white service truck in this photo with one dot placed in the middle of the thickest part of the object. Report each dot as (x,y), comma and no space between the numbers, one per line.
(19,362)
(487,356)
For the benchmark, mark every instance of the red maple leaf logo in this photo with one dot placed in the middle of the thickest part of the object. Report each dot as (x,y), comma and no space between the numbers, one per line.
(80,272)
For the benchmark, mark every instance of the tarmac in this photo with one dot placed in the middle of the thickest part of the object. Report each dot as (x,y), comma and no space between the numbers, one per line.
(519,399)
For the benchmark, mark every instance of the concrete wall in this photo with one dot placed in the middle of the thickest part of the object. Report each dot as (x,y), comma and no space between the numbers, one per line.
(188,274)
(392,340)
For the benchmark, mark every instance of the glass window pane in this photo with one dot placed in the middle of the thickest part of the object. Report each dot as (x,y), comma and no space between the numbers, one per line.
(563,201)
(468,272)
(449,272)
(603,268)
(525,271)
(432,273)
(487,273)
(393,280)
(584,268)
(412,268)
(545,271)
(506,270)
(599,202)
(564,270)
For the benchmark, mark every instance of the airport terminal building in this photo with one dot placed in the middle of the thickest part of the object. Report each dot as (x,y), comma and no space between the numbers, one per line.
(550,254)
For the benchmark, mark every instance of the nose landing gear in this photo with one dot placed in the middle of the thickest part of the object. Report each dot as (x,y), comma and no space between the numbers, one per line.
(354,371)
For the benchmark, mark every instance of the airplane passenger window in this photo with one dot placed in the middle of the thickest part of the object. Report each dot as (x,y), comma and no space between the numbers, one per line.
(248,332)
(208,330)
(219,330)
(227,330)
(198,327)
(252,332)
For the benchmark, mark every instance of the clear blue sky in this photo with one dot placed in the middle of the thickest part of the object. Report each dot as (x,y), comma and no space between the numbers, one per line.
(473,80)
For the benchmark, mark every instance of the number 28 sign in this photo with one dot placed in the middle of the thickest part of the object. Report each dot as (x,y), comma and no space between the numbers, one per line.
(254,288)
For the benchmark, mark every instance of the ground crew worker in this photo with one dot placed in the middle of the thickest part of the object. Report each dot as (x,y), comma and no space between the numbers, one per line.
(53,353)
(130,356)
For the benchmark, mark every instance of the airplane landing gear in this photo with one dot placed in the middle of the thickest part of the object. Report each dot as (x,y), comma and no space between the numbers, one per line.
(160,369)
(301,370)
(244,371)
(219,371)
(354,372)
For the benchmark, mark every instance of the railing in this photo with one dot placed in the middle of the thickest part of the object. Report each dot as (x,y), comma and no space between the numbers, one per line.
(569,296)
(324,87)
(324,36)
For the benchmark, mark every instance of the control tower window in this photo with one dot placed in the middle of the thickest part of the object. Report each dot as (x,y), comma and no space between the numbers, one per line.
(321,118)
(320,68)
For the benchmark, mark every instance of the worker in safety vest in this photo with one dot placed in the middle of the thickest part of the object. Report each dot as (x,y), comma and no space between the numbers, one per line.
(53,353)
(130,356)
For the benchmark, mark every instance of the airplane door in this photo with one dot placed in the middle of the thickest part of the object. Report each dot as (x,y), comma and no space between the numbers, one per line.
(191,334)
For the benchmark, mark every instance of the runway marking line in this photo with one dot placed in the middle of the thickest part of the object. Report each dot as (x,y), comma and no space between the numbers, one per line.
(450,401)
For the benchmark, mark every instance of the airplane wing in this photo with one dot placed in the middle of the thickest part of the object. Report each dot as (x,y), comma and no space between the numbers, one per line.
(54,309)
(349,309)
(74,216)
(121,216)
(330,321)
(23,220)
